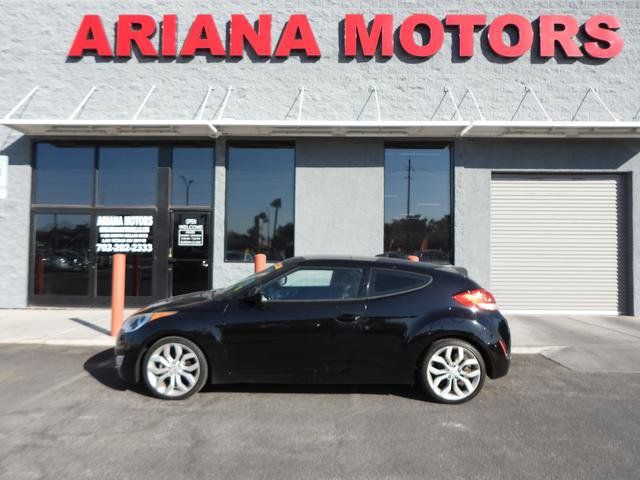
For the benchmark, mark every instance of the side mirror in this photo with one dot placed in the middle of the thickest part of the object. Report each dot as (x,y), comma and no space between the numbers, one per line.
(256,298)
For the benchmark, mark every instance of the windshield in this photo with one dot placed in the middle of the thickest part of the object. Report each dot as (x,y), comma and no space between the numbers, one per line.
(249,281)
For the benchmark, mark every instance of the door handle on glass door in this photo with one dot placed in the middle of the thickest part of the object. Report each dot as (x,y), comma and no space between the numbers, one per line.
(205,264)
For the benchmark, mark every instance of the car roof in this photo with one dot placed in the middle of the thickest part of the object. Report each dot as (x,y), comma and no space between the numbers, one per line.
(371,261)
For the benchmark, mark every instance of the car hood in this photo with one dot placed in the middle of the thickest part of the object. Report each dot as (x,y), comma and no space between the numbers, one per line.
(207,300)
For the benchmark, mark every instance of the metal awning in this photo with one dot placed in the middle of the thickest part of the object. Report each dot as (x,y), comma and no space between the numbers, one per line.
(235,128)
(428,129)
(293,128)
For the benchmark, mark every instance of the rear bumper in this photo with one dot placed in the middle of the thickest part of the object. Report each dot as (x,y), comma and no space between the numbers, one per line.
(500,363)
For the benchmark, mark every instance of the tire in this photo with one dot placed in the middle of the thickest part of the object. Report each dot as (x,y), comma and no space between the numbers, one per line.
(448,378)
(174,368)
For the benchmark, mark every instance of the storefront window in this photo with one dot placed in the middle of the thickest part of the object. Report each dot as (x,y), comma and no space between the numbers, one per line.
(260,197)
(417,203)
(64,175)
(61,254)
(127,176)
(138,275)
(192,177)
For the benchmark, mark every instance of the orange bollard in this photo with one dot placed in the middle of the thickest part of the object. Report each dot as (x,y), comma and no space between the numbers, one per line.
(260,262)
(413,258)
(117,292)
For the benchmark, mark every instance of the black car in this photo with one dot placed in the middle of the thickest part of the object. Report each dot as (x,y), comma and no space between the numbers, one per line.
(329,320)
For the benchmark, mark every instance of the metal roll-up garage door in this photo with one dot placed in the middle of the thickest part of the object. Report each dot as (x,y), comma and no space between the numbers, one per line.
(558,243)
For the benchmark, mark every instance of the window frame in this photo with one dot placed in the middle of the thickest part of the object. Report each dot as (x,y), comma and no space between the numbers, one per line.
(427,145)
(227,157)
(362,288)
(372,271)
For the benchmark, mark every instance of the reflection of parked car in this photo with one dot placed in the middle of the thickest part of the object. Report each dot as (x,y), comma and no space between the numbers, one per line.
(324,320)
(65,260)
(435,257)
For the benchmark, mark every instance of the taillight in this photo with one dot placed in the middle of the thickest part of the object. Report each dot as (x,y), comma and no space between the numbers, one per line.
(480,299)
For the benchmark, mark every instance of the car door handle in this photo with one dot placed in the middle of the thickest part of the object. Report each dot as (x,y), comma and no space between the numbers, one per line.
(348,318)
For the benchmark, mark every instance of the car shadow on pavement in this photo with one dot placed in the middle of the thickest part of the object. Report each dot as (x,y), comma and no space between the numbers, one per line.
(101,367)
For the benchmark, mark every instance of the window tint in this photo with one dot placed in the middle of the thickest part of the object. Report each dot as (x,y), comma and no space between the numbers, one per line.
(417,203)
(316,284)
(386,282)
(64,175)
(127,176)
(192,176)
(260,185)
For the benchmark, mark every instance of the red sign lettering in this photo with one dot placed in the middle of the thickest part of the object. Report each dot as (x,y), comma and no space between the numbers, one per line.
(436,35)
(602,29)
(203,36)
(297,35)
(135,29)
(356,33)
(524,32)
(91,37)
(558,34)
(467,25)
(241,31)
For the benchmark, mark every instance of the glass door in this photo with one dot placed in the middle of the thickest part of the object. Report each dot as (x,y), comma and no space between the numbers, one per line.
(190,252)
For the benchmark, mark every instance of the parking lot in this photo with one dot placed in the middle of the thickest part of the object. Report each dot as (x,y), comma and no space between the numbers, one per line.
(64,414)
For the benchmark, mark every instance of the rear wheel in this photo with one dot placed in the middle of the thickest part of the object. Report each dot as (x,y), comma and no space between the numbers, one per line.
(174,368)
(452,371)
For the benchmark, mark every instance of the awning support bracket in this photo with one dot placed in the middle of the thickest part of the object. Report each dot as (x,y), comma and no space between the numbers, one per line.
(468,92)
(144,103)
(82,104)
(26,98)
(600,101)
(456,111)
(203,105)
(528,90)
(447,93)
(223,107)
(300,103)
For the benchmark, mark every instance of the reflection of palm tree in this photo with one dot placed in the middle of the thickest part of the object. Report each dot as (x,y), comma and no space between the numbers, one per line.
(276,204)
(187,183)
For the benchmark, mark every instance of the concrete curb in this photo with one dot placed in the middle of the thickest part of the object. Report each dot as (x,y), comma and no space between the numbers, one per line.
(535,350)
(95,342)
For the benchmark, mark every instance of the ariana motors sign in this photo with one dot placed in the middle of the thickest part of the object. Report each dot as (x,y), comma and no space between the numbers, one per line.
(419,36)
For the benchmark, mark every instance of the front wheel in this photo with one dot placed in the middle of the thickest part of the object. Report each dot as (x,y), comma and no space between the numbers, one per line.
(452,371)
(174,368)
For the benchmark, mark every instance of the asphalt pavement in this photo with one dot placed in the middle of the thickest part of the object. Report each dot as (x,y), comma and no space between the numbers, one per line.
(65,414)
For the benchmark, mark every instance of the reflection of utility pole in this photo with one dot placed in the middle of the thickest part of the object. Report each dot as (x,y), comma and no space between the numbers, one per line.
(277,205)
(409,170)
(187,183)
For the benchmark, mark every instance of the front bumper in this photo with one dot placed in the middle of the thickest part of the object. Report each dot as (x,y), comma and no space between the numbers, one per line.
(127,358)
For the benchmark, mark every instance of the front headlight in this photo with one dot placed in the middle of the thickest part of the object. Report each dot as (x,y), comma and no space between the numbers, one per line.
(135,322)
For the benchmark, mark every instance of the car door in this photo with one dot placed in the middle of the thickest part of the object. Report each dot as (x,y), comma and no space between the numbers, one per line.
(304,329)
(397,302)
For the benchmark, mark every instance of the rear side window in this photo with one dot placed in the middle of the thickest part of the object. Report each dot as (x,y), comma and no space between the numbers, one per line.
(388,282)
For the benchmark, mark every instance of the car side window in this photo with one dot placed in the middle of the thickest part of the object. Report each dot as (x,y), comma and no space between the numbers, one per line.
(389,282)
(315,283)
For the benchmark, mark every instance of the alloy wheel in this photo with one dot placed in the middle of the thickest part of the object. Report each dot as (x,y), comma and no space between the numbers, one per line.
(453,373)
(173,369)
